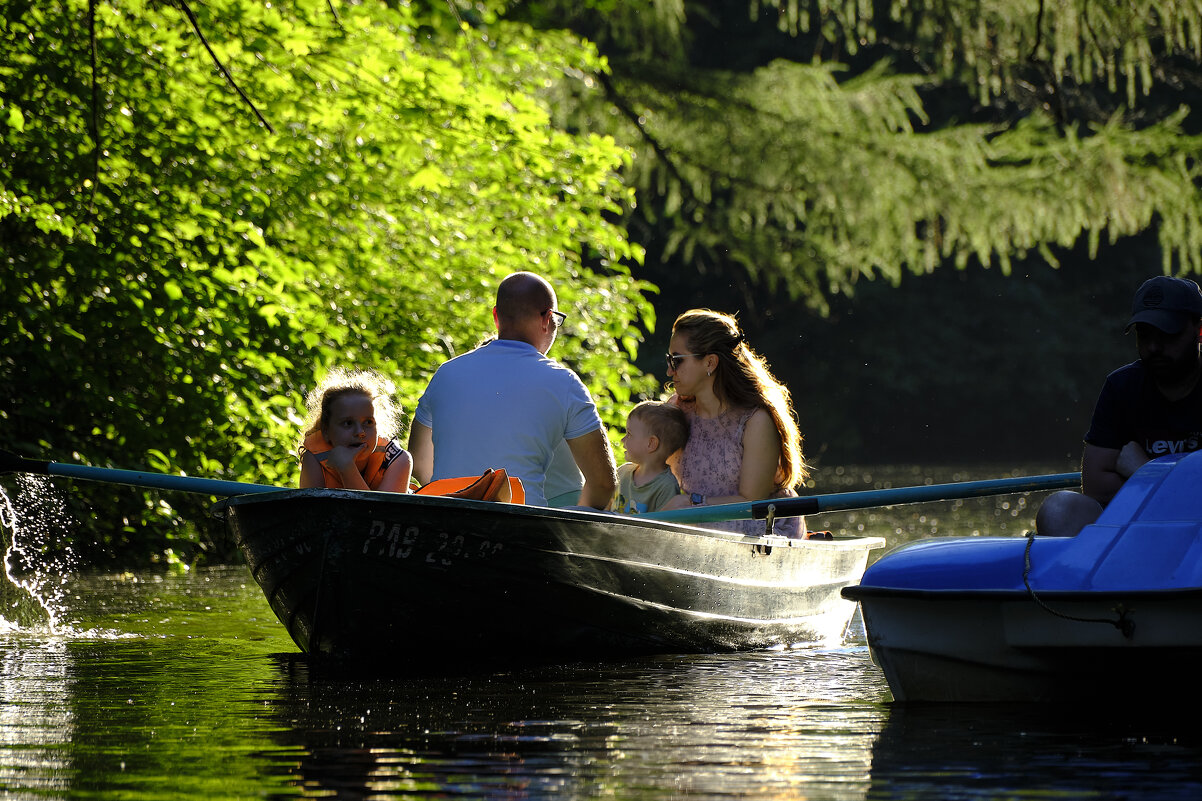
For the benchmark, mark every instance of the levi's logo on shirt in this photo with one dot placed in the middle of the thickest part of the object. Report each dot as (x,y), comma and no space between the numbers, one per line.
(1162,447)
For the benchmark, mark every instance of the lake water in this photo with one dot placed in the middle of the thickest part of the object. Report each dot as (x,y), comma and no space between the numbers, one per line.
(184,685)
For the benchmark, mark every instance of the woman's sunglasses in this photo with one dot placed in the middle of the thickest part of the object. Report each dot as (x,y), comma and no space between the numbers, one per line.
(674,359)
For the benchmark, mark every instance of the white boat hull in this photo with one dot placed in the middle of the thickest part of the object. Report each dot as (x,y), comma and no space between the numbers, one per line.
(1013,649)
(1111,615)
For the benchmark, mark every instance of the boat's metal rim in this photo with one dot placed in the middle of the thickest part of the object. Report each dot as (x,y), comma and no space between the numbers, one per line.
(521,510)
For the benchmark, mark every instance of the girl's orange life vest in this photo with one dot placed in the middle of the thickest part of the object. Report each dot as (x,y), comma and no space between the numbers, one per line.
(372,462)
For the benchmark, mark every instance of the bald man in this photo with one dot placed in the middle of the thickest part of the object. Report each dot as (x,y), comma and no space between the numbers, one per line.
(506,404)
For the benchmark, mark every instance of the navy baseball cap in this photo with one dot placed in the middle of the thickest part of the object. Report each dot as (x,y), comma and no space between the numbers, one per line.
(1167,303)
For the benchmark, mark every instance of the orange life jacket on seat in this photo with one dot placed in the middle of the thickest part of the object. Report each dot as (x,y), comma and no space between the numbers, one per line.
(372,462)
(493,485)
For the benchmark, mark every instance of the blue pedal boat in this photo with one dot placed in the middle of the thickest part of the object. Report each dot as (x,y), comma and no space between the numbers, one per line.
(1114,612)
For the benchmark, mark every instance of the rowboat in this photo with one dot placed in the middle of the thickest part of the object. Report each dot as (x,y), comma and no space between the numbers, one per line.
(412,581)
(1112,613)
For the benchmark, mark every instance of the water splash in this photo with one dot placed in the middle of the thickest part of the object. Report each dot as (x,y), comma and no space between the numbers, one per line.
(36,563)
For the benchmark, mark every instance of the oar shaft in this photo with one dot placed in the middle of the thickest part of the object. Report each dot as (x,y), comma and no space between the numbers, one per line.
(844,501)
(201,486)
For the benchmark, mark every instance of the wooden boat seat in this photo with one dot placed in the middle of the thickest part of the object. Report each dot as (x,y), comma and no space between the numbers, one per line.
(492,485)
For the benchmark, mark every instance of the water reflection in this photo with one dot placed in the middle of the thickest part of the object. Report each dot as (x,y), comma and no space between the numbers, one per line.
(767,725)
(1099,751)
(170,717)
(35,723)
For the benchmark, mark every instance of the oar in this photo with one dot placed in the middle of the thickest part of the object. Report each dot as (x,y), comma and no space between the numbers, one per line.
(842,501)
(11,463)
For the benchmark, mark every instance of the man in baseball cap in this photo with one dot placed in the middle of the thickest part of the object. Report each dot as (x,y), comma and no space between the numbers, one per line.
(1167,303)
(1149,408)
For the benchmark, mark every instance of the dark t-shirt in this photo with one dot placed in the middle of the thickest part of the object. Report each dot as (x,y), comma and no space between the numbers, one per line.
(1131,409)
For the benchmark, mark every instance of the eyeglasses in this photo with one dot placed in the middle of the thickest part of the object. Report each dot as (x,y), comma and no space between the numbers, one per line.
(559,317)
(674,359)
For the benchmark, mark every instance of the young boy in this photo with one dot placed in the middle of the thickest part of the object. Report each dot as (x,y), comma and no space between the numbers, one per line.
(654,431)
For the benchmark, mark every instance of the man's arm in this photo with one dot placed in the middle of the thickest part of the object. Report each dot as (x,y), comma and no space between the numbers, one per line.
(1100,478)
(421,446)
(1131,458)
(596,461)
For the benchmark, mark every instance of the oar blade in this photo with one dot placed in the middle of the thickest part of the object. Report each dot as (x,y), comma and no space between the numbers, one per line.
(12,463)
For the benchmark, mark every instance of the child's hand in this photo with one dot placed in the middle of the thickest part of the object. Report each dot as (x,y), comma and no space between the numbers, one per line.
(342,457)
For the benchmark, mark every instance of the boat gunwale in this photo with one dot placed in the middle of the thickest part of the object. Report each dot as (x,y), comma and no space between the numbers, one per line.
(596,517)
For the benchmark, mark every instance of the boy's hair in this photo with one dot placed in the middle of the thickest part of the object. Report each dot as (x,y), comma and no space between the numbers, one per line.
(666,421)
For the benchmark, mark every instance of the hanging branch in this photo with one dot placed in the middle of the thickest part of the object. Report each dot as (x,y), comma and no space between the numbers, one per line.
(1033,56)
(471,51)
(661,152)
(95,118)
(183,4)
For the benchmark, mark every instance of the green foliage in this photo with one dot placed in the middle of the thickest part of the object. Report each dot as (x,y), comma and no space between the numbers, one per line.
(787,153)
(995,45)
(176,275)
(809,146)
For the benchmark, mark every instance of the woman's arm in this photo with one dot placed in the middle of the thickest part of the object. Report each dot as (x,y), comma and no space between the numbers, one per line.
(761,459)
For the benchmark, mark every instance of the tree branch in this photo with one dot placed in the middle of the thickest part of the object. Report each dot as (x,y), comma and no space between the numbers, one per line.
(183,4)
(661,152)
(95,120)
(1038,33)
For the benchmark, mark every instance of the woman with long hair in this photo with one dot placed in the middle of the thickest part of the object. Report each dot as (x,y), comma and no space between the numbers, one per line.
(744,444)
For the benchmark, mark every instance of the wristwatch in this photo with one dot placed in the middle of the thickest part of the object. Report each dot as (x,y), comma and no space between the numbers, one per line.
(697,498)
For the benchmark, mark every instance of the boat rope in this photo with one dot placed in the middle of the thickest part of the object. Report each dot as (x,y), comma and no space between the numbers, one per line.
(1122,622)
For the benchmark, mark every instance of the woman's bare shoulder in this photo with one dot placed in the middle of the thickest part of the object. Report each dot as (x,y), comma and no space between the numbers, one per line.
(760,424)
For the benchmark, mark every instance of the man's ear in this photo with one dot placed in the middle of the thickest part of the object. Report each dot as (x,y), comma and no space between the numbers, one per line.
(496,323)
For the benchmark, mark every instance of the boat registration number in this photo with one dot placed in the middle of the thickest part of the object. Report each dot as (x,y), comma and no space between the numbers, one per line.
(398,541)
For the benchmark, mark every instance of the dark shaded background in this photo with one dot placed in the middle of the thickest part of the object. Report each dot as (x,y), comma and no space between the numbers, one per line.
(955,366)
